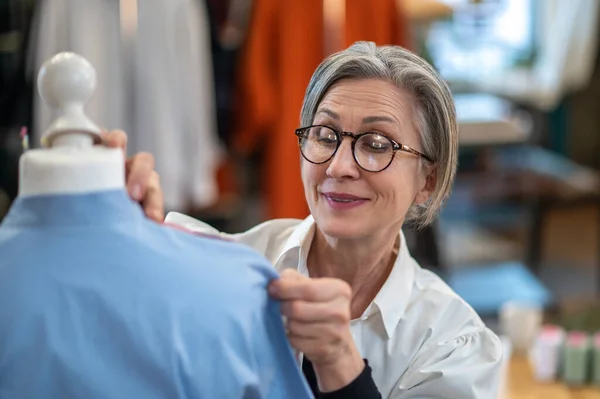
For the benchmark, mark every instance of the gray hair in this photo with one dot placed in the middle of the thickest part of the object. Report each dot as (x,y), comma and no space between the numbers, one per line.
(434,107)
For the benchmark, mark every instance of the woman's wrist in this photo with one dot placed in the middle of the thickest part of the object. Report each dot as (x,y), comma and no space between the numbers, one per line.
(340,373)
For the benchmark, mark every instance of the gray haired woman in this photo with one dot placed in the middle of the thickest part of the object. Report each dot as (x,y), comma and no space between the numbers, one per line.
(379,143)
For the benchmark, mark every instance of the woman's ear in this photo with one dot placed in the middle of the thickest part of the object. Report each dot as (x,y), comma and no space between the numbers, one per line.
(428,186)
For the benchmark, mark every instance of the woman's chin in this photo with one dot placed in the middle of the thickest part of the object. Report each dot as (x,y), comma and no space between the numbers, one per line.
(342,229)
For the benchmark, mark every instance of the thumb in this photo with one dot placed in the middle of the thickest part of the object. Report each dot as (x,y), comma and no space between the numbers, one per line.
(285,275)
(291,274)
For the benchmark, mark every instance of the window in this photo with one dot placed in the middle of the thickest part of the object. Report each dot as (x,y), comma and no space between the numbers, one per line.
(482,38)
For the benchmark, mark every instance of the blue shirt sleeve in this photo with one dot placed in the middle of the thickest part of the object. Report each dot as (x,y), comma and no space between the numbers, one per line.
(249,349)
(279,371)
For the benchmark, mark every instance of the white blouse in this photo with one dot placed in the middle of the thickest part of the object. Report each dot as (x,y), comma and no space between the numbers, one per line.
(420,338)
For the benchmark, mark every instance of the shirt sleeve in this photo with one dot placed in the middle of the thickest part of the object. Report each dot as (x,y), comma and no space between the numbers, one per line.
(278,370)
(467,367)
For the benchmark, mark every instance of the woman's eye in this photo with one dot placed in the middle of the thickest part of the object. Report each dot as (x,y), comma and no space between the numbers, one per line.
(326,136)
(375,143)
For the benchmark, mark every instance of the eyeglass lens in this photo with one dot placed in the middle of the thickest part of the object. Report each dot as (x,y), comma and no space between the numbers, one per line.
(372,151)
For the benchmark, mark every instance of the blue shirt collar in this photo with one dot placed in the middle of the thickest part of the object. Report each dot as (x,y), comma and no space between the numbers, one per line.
(91,209)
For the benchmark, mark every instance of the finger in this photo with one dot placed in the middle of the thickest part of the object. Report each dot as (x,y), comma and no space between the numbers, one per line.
(324,331)
(139,170)
(115,139)
(312,348)
(337,311)
(153,202)
(321,289)
(303,344)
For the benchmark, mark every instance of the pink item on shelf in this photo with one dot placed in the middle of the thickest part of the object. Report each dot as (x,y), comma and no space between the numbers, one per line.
(577,339)
(546,352)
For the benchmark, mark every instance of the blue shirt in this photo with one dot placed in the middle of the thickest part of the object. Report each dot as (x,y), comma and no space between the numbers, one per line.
(96,301)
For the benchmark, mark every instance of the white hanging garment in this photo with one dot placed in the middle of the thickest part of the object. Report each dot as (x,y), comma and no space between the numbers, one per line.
(154,81)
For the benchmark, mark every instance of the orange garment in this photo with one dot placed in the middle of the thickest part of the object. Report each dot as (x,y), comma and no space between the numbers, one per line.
(285,44)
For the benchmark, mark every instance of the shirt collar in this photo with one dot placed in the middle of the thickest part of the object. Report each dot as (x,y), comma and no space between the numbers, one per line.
(90,209)
(295,250)
(392,298)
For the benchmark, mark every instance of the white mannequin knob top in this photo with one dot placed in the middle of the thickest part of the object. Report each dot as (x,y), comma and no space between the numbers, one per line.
(66,82)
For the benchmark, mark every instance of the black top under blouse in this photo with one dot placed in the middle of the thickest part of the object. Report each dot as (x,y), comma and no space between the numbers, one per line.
(363,386)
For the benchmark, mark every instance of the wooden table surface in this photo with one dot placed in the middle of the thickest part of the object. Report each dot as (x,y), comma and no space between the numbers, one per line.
(522,386)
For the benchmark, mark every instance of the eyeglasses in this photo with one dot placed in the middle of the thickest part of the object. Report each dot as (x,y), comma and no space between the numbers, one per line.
(372,151)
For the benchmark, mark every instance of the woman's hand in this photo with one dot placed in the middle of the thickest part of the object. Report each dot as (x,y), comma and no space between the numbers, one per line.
(318,325)
(143,183)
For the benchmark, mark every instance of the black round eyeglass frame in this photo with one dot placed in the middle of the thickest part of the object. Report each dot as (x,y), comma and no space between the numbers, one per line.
(301,132)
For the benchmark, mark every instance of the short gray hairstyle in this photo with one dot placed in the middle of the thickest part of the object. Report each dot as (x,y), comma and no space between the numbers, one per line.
(434,107)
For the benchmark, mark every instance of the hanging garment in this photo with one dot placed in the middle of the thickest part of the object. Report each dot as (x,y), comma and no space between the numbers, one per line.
(285,45)
(16,93)
(229,23)
(155,82)
(96,301)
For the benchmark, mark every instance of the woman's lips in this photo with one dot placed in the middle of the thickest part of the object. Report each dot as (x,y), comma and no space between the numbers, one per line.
(343,201)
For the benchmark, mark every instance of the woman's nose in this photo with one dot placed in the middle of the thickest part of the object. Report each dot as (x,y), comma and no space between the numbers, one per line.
(343,165)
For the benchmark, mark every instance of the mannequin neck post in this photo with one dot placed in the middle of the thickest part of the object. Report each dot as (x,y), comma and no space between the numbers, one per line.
(71,170)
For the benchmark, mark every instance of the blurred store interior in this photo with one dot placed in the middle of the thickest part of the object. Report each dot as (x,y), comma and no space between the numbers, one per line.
(523,222)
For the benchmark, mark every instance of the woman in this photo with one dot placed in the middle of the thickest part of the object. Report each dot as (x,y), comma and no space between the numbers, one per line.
(379,148)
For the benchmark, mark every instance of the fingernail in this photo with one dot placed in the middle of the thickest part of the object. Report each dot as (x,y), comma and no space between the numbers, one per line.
(136,192)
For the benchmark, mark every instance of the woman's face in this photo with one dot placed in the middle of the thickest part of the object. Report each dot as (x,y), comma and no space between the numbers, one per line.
(346,201)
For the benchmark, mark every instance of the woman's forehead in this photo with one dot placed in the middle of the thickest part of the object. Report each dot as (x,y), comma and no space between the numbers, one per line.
(366,95)
(367,102)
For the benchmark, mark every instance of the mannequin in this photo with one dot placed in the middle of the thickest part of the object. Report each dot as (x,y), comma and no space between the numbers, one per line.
(70,163)
(97,301)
